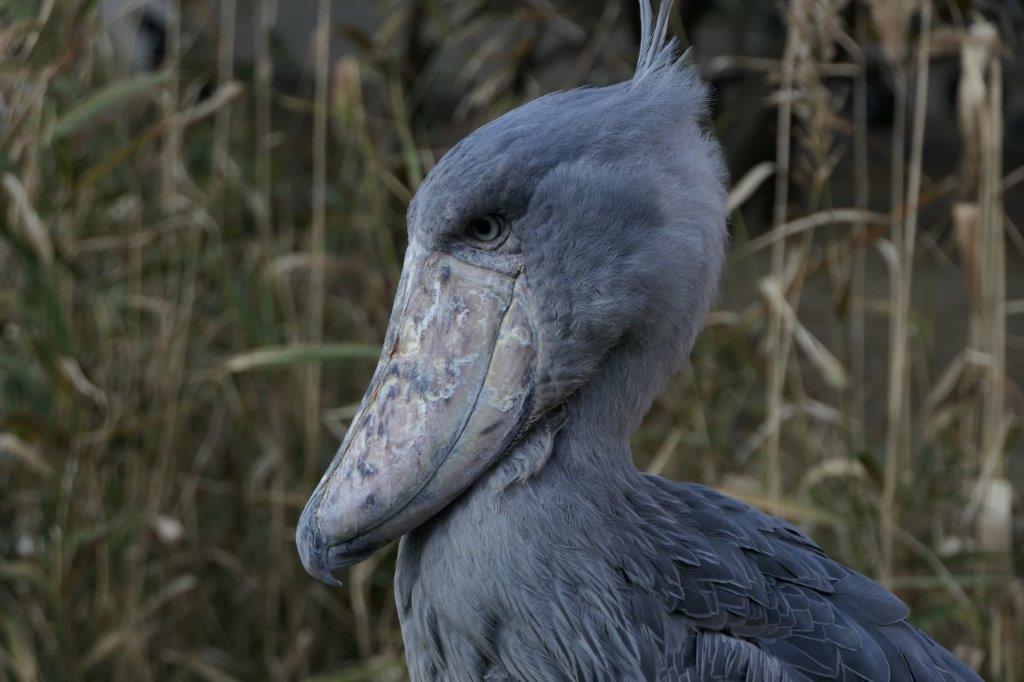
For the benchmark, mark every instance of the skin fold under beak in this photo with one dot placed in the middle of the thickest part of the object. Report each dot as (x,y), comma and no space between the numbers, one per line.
(450,393)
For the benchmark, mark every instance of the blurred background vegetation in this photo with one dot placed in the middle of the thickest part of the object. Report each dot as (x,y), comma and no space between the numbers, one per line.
(201,227)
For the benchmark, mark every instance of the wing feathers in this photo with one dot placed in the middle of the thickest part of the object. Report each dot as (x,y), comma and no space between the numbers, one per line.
(762,582)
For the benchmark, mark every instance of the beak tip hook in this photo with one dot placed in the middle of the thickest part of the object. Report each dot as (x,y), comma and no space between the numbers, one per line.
(312,548)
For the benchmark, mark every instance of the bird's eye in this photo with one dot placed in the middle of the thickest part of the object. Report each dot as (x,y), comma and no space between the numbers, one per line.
(485,230)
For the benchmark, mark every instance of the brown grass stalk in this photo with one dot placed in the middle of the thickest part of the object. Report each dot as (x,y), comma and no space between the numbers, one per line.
(317,230)
(262,120)
(776,348)
(989,511)
(903,236)
(862,199)
(171,149)
(225,74)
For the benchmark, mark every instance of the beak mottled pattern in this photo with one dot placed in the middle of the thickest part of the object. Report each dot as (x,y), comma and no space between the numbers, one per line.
(450,392)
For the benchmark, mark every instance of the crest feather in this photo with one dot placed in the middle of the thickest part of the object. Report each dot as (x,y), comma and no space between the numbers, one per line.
(656,53)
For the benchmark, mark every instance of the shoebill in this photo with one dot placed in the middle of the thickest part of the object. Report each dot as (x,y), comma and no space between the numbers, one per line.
(561,260)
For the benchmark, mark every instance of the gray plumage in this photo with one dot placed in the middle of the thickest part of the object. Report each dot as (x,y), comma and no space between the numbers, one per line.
(562,560)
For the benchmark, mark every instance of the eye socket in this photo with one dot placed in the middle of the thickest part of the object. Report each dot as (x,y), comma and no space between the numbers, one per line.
(485,230)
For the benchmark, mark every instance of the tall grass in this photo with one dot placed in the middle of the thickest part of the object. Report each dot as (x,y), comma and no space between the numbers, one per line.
(196,266)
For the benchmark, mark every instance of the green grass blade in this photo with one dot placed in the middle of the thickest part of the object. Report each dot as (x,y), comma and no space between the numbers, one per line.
(105,99)
(286,356)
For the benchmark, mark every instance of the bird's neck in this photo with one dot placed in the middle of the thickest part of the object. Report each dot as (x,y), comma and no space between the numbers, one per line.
(565,505)
(610,406)
(516,568)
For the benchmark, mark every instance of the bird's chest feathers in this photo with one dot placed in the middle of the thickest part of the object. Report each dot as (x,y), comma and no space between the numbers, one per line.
(478,601)
(448,608)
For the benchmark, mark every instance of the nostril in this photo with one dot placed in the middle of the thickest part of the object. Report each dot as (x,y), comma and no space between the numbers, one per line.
(312,547)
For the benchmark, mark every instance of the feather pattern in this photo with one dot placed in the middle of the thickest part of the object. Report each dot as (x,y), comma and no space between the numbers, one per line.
(657,52)
(656,581)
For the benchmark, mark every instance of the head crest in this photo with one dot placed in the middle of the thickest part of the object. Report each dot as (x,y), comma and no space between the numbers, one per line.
(656,53)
